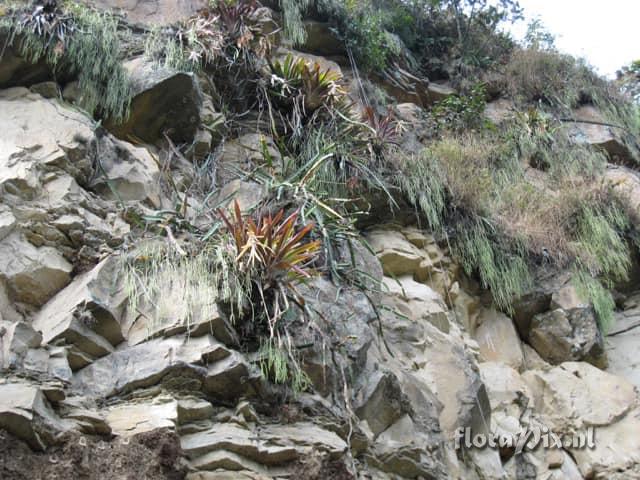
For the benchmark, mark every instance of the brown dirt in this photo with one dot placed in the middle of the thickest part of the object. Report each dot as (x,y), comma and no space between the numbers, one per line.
(155,455)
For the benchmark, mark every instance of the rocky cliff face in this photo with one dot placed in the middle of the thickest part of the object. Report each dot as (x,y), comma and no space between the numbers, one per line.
(95,385)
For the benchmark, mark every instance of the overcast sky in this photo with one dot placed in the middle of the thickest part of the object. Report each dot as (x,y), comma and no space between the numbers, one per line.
(605,32)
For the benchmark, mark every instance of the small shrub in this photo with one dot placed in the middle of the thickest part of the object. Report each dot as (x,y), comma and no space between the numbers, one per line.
(459,112)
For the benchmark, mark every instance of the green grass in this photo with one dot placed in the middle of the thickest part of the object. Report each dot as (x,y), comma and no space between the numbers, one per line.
(514,193)
(424,188)
(501,268)
(592,289)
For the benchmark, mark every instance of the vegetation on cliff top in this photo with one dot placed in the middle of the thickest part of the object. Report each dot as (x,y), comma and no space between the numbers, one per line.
(509,198)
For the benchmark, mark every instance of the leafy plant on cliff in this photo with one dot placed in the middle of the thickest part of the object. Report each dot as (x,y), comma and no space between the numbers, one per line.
(272,253)
(299,83)
(76,39)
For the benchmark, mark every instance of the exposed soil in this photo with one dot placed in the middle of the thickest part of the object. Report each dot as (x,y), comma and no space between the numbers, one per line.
(155,455)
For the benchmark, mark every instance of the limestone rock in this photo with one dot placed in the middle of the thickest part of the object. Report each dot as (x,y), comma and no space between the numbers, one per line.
(380,403)
(416,300)
(625,185)
(125,172)
(129,419)
(567,298)
(25,412)
(247,194)
(86,314)
(347,314)
(576,395)
(498,339)
(16,338)
(33,275)
(561,335)
(269,445)
(7,223)
(397,255)
(622,346)
(407,88)
(154,12)
(176,359)
(193,409)
(163,100)
(244,153)
(321,40)
(591,127)
(37,134)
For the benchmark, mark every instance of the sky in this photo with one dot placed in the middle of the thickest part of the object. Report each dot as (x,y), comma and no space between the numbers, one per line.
(606,33)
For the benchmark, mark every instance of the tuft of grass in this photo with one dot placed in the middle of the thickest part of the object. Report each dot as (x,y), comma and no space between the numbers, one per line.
(293,26)
(536,197)
(501,268)
(424,189)
(279,363)
(164,282)
(592,289)
(600,246)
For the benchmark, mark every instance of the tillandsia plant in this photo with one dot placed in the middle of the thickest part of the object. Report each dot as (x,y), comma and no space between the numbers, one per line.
(47,20)
(274,253)
(384,129)
(298,80)
(225,31)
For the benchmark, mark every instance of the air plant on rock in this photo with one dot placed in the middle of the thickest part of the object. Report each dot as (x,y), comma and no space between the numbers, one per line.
(274,253)
(383,129)
(299,81)
(45,19)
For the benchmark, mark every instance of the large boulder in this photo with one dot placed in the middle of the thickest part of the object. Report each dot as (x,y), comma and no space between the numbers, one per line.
(568,335)
(26,413)
(36,135)
(86,314)
(322,40)
(408,88)
(590,126)
(164,101)
(154,12)
(16,338)
(574,396)
(133,418)
(195,363)
(232,446)
(125,172)
(622,343)
(498,339)
(397,255)
(32,275)
(625,185)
